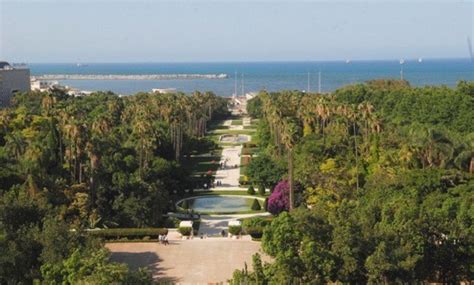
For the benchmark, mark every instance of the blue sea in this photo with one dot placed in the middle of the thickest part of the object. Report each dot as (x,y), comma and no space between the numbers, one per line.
(271,76)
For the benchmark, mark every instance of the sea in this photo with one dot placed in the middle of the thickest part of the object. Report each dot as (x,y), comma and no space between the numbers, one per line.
(244,77)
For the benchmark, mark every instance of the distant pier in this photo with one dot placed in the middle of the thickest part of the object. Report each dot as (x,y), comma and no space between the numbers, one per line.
(129,76)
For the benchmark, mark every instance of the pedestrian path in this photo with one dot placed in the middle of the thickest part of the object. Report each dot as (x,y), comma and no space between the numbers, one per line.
(228,175)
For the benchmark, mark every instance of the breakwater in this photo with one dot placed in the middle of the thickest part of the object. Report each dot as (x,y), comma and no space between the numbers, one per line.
(129,76)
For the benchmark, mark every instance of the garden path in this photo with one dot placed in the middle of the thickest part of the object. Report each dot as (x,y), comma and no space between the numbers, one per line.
(229,175)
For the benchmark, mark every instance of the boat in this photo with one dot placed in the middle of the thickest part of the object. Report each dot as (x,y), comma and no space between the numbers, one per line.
(420,60)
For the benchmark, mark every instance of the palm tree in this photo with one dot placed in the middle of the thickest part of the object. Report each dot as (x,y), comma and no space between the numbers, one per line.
(464,159)
(290,135)
(366,111)
(431,146)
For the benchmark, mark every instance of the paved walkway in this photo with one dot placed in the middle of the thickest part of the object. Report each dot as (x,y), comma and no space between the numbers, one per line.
(197,261)
(229,176)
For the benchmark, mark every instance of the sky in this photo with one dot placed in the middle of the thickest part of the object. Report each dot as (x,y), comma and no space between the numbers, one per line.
(213,31)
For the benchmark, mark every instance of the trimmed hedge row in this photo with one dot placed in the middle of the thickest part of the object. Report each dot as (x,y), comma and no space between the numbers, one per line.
(129,233)
(235,230)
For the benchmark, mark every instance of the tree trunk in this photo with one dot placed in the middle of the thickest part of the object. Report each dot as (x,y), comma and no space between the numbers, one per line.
(290,178)
(356,158)
(471,166)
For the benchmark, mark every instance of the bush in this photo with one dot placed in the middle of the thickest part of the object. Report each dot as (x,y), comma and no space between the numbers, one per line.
(256,205)
(265,204)
(261,190)
(185,231)
(279,199)
(251,190)
(255,226)
(235,230)
(172,222)
(185,204)
(256,222)
(128,233)
(243,181)
(255,232)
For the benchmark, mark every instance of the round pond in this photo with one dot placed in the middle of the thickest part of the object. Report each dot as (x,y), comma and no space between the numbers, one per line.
(219,204)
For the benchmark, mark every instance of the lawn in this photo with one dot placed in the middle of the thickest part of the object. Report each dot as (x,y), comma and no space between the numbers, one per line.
(200,165)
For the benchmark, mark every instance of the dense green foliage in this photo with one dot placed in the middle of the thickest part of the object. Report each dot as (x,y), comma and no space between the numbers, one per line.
(255,205)
(251,190)
(382,182)
(91,162)
(235,230)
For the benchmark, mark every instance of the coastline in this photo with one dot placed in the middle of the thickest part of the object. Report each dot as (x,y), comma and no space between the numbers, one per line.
(128,76)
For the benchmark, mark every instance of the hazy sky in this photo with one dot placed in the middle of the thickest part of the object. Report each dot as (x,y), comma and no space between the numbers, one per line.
(193,30)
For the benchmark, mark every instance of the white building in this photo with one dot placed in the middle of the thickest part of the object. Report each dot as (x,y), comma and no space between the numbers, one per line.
(41,85)
(12,79)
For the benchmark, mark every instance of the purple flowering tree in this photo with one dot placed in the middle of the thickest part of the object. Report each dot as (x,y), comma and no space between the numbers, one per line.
(279,199)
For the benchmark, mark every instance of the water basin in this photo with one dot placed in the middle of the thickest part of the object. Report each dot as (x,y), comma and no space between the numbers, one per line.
(219,204)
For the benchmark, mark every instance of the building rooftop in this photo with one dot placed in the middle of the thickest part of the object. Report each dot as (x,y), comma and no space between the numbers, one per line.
(4,65)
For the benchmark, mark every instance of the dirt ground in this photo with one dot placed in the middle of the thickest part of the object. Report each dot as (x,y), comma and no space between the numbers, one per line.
(197,261)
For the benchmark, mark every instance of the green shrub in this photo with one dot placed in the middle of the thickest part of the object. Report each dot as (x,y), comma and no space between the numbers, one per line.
(172,222)
(235,230)
(256,222)
(256,205)
(128,233)
(243,182)
(255,232)
(261,190)
(265,204)
(255,226)
(185,231)
(251,190)
(185,204)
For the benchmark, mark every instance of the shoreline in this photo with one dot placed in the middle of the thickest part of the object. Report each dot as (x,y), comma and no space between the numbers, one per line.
(127,76)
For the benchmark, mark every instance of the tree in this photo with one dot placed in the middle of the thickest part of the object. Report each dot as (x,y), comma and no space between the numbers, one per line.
(256,205)
(279,199)
(251,190)
(263,170)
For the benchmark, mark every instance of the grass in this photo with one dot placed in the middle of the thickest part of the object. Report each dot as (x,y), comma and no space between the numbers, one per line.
(200,165)
(249,150)
(219,127)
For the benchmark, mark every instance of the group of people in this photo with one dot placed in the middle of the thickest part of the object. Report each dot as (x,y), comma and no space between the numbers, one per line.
(163,239)
(225,166)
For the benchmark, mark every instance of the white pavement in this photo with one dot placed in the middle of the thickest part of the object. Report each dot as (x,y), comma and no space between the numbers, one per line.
(229,175)
(197,261)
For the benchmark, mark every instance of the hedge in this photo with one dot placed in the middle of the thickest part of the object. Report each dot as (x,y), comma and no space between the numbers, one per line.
(185,231)
(255,232)
(129,233)
(256,205)
(235,230)
(251,190)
